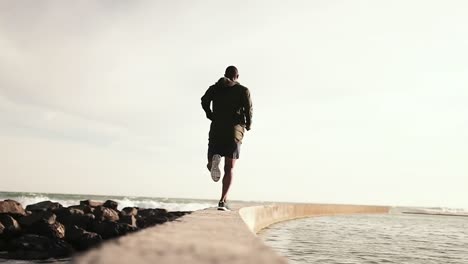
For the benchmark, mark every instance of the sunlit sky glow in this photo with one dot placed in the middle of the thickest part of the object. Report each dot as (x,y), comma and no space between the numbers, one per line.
(354,101)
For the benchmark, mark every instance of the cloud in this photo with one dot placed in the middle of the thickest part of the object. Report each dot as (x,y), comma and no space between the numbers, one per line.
(335,96)
(90,73)
(33,121)
(48,122)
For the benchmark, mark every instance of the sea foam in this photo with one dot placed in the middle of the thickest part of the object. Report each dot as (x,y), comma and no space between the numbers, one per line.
(141,202)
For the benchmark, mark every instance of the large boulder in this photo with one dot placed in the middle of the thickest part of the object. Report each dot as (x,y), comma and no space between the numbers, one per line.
(144,222)
(3,245)
(107,229)
(152,212)
(11,228)
(85,220)
(91,203)
(106,214)
(85,208)
(111,204)
(176,214)
(43,228)
(128,219)
(43,206)
(73,216)
(126,228)
(82,239)
(62,212)
(150,217)
(12,208)
(129,211)
(38,247)
(28,220)
(82,221)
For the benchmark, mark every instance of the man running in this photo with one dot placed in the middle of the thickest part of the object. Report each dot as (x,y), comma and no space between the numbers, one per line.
(231,113)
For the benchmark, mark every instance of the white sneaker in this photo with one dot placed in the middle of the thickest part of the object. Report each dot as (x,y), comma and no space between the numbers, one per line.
(215,171)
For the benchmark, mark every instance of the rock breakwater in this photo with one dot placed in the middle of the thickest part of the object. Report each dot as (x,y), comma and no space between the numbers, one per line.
(49,230)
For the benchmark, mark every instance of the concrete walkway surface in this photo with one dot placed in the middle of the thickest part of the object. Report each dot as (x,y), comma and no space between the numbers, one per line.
(211,236)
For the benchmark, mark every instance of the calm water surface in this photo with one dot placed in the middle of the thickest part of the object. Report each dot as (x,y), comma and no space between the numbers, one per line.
(415,239)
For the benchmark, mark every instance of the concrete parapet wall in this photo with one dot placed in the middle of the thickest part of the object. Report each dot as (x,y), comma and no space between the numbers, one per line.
(211,236)
(259,217)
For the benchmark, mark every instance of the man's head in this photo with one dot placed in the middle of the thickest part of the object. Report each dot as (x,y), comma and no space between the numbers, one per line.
(231,73)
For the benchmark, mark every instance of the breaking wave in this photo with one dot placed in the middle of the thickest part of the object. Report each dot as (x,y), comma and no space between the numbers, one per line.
(123,201)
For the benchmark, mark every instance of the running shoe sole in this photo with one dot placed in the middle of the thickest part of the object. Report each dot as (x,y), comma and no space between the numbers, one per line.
(215,171)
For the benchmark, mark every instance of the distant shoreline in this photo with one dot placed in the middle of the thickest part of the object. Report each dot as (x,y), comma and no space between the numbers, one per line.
(440,214)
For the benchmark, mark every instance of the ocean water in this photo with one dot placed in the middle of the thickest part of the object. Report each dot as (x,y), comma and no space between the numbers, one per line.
(366,239)
(170,204)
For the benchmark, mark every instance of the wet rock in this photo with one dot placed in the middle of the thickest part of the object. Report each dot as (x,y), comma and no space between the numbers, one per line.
(76,217)
(126,228)
(12,208)
(111,204)
(82,239)
(43,206)
(181,213)
(143,222)
(62,212)
(82,221)
(11,228)
(129,211)
(174,215)
(85,208)
(91,203)
(43,228)
(107,229)
(48,229)
(152,212)
(106,214)
(3,244)
(28,220)
(128,219)
(150,217)
(155,220)
(30,247)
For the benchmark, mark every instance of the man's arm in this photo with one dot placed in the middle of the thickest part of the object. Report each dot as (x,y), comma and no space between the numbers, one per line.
(248,109)
(206,101)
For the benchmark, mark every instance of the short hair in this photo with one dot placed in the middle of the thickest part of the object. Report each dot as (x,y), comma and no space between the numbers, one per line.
(231,72)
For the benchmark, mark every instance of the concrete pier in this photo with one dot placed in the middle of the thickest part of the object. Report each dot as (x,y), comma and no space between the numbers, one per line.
(211,236)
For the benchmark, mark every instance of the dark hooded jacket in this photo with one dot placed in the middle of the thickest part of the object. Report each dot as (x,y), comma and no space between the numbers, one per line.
(232,106)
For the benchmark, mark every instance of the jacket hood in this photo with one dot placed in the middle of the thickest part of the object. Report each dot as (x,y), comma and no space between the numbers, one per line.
(226,82)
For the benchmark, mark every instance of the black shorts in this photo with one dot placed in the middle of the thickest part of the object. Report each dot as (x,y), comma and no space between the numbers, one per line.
(231,150)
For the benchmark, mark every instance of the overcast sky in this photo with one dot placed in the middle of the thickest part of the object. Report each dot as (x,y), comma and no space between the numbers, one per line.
(354,101)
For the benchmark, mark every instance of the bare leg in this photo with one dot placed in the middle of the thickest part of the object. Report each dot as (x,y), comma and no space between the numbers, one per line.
(227,179)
